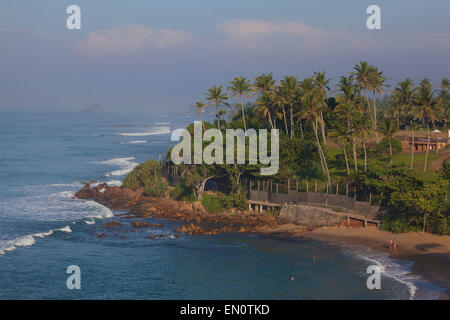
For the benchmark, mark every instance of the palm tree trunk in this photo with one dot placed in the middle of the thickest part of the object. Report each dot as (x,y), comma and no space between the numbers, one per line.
(217,116)
(301,128)
(412,145)
(322,124)
(243,114)
(285,122)
(322,155)
(390,151)
(355,159)
(428,148)
(270,120)
(346,161)
(365,155)
(375,118)
(291,111)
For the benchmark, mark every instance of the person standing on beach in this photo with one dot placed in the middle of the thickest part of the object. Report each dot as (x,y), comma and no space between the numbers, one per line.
(391,245)
(395,245)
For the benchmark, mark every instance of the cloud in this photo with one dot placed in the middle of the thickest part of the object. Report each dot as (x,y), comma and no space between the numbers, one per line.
(129,39)
(251,33)
(299,37)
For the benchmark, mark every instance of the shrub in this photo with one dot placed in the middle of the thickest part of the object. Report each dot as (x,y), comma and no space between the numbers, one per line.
(211,203)
(383,146)
(221,201)
(182,192)
(156,188)
(142,174)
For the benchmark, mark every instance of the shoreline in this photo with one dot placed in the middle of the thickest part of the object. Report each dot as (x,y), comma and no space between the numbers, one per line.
(430,254)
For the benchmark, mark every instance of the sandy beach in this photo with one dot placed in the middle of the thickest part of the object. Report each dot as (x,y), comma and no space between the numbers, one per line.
(430,253)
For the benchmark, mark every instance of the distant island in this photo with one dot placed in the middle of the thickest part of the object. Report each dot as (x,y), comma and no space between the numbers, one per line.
(94,108)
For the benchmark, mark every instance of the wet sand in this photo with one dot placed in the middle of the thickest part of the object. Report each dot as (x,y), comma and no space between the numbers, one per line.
(430,253)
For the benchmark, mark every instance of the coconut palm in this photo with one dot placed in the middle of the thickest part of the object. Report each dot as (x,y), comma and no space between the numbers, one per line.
(402,103)
(362,125)
(348,102)
(377,85)
(200,106)
(444,96)
(290,85)
(239,88)
(216,97)
(424,109)
(388,129)
(279,100)
(321,81)
(264,105)
(263,83)
(312,103)
(339,133)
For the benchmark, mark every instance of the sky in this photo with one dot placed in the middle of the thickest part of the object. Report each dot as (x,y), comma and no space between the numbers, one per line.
(162,56)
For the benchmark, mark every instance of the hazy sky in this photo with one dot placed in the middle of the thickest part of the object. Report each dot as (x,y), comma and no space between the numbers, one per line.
(162,56)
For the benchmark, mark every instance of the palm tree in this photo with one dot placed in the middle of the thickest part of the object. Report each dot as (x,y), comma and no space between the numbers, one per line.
(340,134)
(216,97)
(279,100)
(424,109)
(312,103)
(263,83)
(364,128)
(403,96)
(290,85)
(321,81)
(377,84)
(239,88)
(388,129)
(264,105)
(444,96)
(348,102)
(199,106)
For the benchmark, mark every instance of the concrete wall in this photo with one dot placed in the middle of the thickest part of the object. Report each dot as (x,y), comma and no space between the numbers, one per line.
(309,216)
(316,198)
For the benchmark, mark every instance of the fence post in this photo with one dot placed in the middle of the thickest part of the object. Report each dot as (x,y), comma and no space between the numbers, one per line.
(289,184)
(277,187)
(296,187)
(354,195)
(337,189)
(315,186)
(370,198)
(259,185)
(307,187)
(346,190)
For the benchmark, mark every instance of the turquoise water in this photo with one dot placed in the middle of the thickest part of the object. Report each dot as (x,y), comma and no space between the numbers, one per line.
(43,160)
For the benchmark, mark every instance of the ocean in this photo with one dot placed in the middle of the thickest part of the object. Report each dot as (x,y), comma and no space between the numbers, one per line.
(45,158)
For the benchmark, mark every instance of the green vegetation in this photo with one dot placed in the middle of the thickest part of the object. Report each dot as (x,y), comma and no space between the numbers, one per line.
(348,133)
(220,202)
(148,176)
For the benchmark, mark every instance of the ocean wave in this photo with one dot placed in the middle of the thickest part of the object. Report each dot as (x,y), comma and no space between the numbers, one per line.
(135,142)
(155,131)
(399,271)
(126,165)
(28,240)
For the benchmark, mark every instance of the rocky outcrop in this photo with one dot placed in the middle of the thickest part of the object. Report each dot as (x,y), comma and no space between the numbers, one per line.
(199,221)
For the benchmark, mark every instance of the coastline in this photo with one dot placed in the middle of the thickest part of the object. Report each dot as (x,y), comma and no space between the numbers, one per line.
(430,254)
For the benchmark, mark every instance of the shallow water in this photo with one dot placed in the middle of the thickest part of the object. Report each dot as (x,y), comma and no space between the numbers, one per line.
(43,160)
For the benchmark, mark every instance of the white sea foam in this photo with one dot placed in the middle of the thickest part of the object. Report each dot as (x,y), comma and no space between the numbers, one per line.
(134,142)
(125,164)
(27,240)
(154,131)
(393,269)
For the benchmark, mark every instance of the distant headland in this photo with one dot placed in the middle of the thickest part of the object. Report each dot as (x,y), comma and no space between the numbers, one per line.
(94,108)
